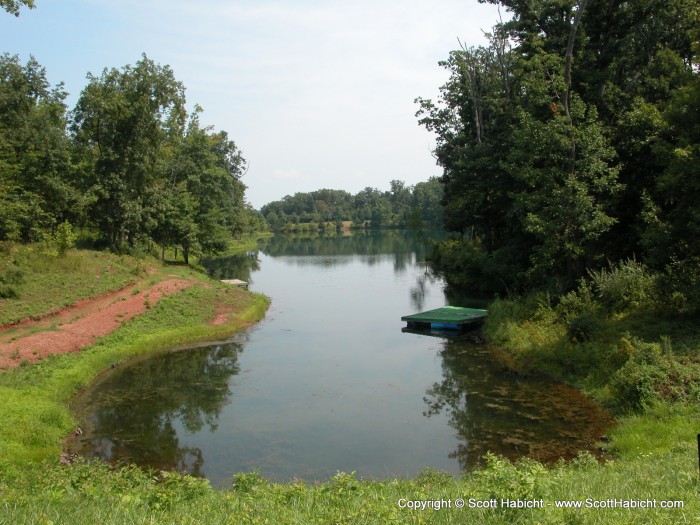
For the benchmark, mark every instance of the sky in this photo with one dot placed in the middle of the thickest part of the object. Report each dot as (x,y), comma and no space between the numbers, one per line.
(316,94)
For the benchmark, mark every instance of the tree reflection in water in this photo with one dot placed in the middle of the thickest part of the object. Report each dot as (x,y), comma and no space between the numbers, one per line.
(183,389)
(400,246)
(239,266)
(495,409)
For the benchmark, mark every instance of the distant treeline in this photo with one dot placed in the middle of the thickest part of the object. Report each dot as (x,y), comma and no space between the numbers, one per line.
(416,207)
(127,163)
(571,142)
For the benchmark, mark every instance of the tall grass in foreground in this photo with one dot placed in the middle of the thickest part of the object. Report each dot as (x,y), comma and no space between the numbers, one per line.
(93,493)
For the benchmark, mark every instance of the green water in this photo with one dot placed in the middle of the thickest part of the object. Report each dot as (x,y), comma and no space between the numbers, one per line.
(328,381)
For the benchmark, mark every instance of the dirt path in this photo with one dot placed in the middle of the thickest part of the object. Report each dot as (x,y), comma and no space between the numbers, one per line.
(81,324)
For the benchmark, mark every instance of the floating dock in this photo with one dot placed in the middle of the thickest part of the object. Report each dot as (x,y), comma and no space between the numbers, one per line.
(235,282)
(446,318)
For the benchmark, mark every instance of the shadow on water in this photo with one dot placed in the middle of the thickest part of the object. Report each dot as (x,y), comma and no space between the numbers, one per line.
(495,408)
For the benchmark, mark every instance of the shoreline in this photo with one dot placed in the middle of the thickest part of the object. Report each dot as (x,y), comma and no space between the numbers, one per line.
(35,415)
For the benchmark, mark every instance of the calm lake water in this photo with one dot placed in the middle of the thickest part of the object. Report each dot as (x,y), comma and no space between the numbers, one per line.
(328,381)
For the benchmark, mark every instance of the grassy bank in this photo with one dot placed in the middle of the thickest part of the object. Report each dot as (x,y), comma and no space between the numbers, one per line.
(629,353)
(34,417)
(35,280)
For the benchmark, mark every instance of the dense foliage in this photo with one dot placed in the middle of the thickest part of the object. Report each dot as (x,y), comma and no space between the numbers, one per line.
(618,335)
(571,140)
(416,207)
(127,162)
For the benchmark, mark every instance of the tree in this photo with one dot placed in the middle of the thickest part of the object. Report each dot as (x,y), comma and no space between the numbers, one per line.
(627,59)
(528,170)
(564,202)
(13,6)
(134,164)
(672,208)
(37,188)
(200,204)
(471,122)
(122,120)
(426,210)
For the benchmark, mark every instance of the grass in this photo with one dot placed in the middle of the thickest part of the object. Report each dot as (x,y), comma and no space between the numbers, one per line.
(663,348)
(45,282)
(94,493)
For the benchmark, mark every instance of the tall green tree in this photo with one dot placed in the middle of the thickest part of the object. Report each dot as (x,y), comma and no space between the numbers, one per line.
(528,172)
(37,190)
(627,59)
(672,210)
(426,210)
(199,204)
(122,120)
(471,122)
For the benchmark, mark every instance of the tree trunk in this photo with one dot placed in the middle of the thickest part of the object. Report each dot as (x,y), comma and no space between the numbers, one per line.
(567,75)
(570,55)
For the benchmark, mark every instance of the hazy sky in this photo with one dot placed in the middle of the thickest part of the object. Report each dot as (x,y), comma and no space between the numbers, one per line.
(317,94)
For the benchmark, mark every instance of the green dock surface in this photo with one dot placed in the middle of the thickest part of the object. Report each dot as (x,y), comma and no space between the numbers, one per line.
(446,317)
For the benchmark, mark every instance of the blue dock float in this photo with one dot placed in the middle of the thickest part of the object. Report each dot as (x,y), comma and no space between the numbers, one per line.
(446,318)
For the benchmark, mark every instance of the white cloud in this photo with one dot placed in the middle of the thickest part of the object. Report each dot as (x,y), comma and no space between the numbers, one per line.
(286,174)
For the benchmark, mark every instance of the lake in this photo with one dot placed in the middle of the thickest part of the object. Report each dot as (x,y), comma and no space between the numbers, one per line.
(329,382)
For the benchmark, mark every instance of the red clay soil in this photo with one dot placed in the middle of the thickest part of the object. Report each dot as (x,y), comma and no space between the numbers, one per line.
(77,326)
(222,315)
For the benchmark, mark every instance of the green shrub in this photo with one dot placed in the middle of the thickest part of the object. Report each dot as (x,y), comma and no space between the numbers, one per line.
(652,372)
(504,479)
(247,482)
(12,275)
(582,328)
(577,303)
(10,278)
(627,284)
(8,291)
(467,266)
(681,286)
(646,353)
(65,238)
(623,352)
(632,386)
